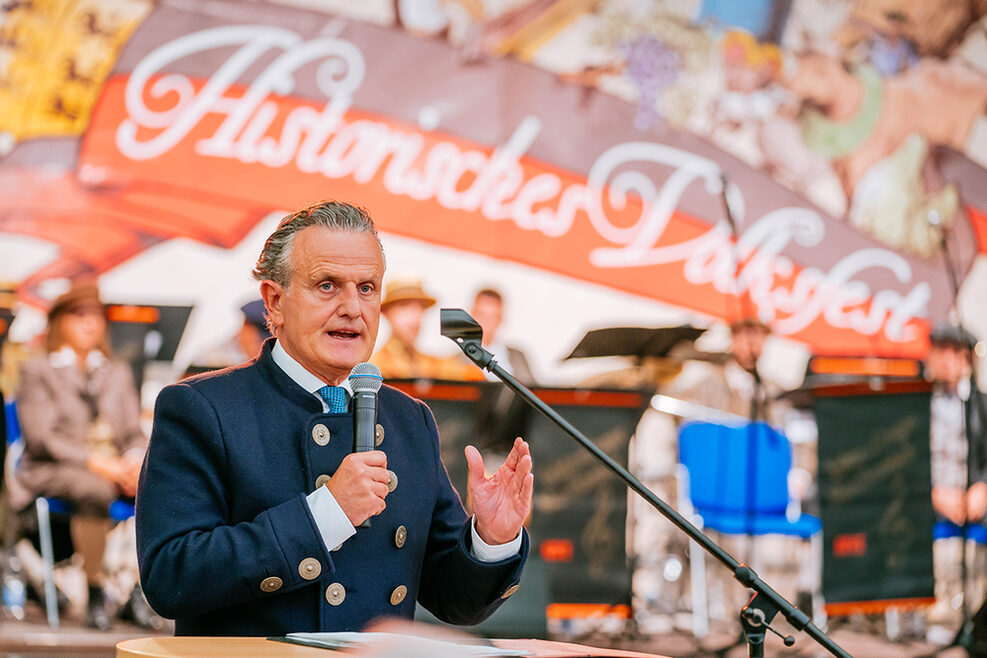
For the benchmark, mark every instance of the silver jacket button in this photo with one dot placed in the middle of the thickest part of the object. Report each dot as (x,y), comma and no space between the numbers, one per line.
(335,594)
(320,434)
(270,584)
(309,568)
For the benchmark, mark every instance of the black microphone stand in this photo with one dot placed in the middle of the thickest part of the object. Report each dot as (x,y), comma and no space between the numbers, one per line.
(757,615)
(758,406)
(973,405)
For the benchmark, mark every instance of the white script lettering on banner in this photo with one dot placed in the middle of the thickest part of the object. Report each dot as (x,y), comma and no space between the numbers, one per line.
(324,142)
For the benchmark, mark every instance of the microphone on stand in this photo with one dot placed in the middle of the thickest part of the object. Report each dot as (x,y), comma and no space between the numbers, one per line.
(365,380)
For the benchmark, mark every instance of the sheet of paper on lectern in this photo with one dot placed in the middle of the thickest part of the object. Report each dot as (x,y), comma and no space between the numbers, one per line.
(410,645)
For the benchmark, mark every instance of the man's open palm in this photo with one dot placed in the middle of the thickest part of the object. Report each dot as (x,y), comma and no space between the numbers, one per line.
(502,501)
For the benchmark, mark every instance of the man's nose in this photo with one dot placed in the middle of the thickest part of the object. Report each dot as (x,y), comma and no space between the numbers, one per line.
(349,303)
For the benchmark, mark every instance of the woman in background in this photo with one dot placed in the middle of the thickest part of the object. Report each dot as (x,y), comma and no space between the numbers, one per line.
(79,413)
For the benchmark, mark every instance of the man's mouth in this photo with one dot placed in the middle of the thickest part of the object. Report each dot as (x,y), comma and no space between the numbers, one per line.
(344,334)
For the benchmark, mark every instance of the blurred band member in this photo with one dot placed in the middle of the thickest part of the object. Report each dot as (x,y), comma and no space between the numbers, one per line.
(80,419)
(959,480)
(956,447)
(488,310)
(404,305)
(241,347)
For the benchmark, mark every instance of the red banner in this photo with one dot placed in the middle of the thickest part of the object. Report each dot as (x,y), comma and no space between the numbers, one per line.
(209,121)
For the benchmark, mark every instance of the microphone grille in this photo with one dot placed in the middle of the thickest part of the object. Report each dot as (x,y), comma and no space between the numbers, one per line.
(365,377)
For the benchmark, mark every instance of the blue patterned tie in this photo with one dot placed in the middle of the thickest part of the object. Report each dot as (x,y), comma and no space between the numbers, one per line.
(335,397)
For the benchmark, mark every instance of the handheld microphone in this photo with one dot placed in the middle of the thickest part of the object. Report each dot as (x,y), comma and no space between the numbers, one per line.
(365,380)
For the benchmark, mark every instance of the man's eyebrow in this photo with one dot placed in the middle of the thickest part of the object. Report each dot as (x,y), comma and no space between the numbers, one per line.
(322,271)
(318,277)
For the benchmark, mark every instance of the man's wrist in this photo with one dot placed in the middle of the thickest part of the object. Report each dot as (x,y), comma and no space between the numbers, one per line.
(485,552)
(333,525)
(489,538)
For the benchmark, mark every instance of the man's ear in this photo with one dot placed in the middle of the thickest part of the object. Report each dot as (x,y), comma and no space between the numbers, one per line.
(273,295)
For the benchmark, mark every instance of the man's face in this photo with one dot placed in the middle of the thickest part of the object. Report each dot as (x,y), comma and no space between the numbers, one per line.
(488,312)
(946,363)
(405,318)
(327,318)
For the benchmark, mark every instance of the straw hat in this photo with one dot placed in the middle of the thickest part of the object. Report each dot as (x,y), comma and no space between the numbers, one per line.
(404,289)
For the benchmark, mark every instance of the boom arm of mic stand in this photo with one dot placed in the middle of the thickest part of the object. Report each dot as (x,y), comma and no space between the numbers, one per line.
(746,576)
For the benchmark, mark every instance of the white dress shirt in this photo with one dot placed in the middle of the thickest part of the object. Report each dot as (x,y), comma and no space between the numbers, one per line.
(948,444)
(329,517)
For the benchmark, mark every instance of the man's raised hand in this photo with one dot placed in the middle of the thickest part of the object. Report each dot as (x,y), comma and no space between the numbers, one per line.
(502,501)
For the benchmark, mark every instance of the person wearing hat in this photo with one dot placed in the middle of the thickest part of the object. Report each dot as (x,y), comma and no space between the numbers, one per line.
(254,330)
(404,305)
(957,447)
(79,413)
(736,385)
(241,347)
(959,478)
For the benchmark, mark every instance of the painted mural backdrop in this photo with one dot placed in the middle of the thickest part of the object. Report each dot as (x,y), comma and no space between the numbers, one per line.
(590,138)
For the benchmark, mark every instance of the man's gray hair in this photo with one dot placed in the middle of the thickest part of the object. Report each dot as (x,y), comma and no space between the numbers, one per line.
(273,263)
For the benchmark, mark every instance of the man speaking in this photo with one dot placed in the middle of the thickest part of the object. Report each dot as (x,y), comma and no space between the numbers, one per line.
(251,497)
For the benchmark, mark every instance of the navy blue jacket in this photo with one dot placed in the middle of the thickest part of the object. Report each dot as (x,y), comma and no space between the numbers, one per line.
(227,544)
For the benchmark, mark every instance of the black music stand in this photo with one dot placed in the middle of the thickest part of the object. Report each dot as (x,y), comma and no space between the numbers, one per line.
(639,342)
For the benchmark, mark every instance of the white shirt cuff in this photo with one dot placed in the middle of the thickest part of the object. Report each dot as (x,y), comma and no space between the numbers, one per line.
(484,552)
(330,519)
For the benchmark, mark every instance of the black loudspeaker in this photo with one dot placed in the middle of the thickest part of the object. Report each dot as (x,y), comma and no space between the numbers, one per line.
(139,334)
(875,496)
(578,526)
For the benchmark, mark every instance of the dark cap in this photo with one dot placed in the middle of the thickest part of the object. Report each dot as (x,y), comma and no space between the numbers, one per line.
(255,313)
(78,298)
(952,334)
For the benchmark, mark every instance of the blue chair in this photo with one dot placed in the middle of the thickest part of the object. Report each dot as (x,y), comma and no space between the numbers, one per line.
(120,510)
(734,479)
(738,479)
